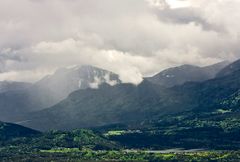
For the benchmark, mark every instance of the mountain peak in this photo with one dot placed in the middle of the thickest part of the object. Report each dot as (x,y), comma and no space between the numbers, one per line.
(186,73)
(68,79)
(84,67)
(187,66)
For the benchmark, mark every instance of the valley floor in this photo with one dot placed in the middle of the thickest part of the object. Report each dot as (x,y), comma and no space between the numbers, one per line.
(87,155)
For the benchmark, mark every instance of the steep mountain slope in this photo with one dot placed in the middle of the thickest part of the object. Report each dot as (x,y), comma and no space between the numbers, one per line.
(52,89)
(233,67)
(9,131)
(186,73)
(211,95)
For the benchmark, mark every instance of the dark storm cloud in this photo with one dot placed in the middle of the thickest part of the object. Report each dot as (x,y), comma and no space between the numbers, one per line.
(187,15)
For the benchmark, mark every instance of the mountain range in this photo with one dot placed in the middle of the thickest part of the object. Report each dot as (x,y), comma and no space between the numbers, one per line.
(88,97)
(128,104)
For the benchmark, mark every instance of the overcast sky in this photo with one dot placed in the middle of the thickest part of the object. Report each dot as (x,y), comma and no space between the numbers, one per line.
(133,38)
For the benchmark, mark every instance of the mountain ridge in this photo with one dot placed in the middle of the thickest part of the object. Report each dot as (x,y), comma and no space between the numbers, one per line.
(186,73)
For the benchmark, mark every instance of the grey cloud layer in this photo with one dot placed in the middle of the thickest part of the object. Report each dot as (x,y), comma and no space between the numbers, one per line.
(134,38)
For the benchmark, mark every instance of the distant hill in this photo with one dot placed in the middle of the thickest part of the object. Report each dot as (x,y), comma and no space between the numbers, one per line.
(186,73)
(78,138)
(16,136)
(6,86)
(9,131)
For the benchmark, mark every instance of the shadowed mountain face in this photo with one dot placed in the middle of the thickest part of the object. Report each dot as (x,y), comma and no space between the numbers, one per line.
(126,103)
(9,131)
(235,66)
(186,73)
(52,89)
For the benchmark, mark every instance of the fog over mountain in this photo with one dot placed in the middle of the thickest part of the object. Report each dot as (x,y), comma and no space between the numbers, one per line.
(66,80)
(134,39)
(17,99)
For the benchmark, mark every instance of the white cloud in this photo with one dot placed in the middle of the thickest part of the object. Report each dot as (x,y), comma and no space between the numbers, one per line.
(109,81)
(160,4)
(178,3)
(95,83)
(132,38)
